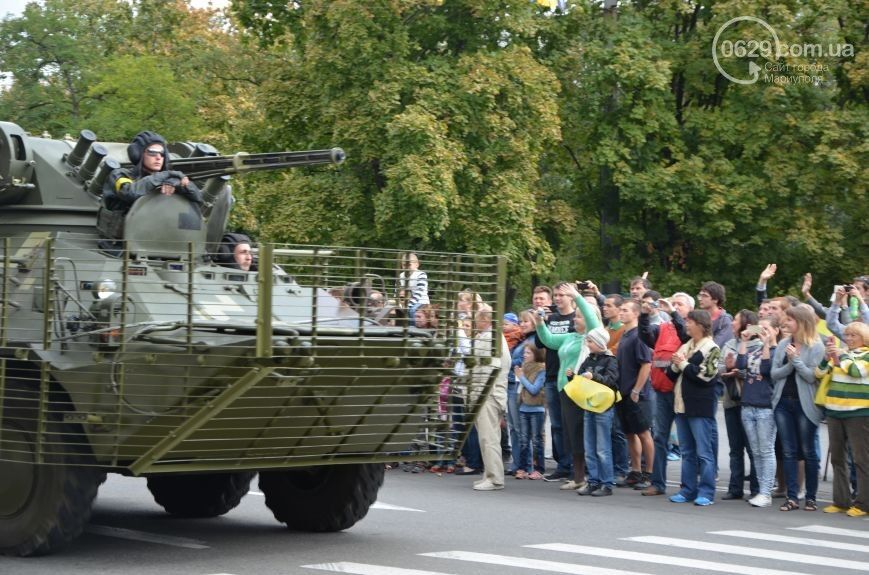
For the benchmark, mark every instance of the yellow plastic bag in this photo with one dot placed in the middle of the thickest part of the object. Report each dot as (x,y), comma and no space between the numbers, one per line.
(591,395)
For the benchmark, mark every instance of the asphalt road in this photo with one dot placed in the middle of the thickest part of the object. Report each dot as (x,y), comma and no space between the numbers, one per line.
(425,524)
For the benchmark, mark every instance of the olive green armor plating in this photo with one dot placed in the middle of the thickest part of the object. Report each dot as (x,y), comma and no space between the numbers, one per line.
(147,355)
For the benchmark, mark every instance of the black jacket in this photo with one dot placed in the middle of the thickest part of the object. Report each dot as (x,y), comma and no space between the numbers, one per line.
(698,393)
(603,367)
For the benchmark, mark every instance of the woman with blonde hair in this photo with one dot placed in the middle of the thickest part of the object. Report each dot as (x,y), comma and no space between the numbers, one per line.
(847,405)
(796,415)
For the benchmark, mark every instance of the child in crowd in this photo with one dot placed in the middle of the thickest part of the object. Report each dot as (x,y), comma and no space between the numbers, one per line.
(532,411)
(600,366)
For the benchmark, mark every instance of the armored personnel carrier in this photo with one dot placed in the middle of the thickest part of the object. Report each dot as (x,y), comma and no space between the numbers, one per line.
(148,355)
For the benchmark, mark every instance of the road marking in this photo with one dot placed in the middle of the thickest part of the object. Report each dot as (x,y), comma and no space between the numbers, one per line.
(660,559)
(832,531)
(525,563)
(388,507)
(132,535)
(375,505)
(752,552)
(797,540)
(365,569)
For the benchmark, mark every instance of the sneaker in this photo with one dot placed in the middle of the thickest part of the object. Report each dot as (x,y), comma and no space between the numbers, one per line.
(678,498)
(651,490)
(556,475)
(604,491)
(645,481)
(535,475)
(760,500)
(856,512)
(487,485)
(835,509)
(570,485)
(632,479)
(588,489)
(703,502)
(673,456)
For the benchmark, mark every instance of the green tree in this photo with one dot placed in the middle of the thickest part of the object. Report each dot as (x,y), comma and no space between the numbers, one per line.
(443,111)
(712,180)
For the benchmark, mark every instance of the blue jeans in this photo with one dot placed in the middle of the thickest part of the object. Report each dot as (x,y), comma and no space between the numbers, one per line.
(738,447)
(598,447)
(620,449)
(559,453)
(797,433)
(513,422)
(696,443)
(663,422)
(531,441)
(760,430)
(471,450)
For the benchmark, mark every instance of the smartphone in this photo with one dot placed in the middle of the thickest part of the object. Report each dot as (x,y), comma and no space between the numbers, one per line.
(754,331)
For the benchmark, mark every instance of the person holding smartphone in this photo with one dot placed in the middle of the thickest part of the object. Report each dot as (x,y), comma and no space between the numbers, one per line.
(754,361)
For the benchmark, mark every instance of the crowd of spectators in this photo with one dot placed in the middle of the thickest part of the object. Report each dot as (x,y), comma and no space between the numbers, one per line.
(674,361)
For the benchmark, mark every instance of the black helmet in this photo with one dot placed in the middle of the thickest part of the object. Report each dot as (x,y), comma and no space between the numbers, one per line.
(138,145)
(225,255)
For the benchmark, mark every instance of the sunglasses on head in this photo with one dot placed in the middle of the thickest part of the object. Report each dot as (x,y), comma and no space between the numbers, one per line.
(154,152)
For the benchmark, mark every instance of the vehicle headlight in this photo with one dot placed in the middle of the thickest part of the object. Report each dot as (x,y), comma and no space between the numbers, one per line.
(105,288)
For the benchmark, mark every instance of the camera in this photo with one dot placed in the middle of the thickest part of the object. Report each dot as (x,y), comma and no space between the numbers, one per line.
(541,312)
(584,285)
(848,287)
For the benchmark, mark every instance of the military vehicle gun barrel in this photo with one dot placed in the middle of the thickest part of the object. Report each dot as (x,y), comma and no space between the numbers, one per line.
(210,166)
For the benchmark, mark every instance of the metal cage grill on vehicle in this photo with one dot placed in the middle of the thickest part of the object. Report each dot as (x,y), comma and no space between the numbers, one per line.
(153,360)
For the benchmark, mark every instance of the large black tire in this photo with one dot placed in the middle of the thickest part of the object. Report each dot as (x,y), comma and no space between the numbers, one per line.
(323,498)
(42,507)
(207,495)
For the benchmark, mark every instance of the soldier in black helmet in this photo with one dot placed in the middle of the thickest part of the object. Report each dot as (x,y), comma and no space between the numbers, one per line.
(150,174)
(235,252)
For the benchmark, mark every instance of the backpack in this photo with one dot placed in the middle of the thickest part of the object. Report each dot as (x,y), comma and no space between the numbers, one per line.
(667,344)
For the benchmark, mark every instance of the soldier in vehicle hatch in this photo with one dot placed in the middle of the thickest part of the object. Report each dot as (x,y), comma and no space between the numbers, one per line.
(150,173)
(235,252)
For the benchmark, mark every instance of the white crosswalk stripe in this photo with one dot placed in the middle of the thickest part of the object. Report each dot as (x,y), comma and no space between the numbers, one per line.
(366,569)
(795,540)
(525,563)
(789,548)
(832,531)
(662,559)
(776,554)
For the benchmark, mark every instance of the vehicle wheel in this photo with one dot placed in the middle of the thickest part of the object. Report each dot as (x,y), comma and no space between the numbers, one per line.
(42,507)
(322,498)
(207,495)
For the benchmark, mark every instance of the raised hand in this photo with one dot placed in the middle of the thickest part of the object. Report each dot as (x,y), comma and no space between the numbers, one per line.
(767,273)
(806,288)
